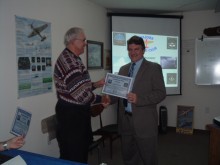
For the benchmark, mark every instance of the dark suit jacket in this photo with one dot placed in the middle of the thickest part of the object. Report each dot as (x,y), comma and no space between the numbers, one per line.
(150,89)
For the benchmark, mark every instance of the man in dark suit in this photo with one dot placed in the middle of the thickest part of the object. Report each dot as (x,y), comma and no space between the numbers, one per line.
(138,118)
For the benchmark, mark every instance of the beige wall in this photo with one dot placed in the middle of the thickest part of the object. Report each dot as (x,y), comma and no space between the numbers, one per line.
(62,14)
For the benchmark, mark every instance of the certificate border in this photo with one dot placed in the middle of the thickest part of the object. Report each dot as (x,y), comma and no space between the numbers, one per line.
(130,84)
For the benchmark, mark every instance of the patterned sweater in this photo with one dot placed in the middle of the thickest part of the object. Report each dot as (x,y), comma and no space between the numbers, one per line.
(72,80)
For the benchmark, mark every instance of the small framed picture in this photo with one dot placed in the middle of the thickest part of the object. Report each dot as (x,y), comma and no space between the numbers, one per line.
(94,55)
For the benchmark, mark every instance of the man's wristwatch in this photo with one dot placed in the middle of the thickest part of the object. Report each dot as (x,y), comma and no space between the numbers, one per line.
(5,145)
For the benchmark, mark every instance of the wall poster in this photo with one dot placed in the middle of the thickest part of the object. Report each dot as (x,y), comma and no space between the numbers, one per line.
(185,119)
(34,62)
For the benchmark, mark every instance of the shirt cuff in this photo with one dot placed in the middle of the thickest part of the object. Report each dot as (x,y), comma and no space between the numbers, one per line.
(98,99)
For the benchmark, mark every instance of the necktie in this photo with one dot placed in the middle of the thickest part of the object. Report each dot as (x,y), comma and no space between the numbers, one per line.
(130,74)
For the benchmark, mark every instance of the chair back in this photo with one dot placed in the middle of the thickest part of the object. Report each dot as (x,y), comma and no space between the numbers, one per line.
(96,109)
(48,125)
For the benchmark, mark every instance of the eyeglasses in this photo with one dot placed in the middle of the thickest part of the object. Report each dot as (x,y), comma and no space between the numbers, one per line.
(83,40)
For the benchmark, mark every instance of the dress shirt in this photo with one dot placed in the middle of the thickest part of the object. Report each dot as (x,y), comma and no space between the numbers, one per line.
(135,70)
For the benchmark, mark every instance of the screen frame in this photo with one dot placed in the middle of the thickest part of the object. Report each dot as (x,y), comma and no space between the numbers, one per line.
(179,17)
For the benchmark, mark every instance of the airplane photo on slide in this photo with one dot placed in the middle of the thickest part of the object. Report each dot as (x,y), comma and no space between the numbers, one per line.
(37,31)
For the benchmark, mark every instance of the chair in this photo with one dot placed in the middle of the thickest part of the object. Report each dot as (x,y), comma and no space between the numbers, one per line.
(106,132)
(95,145)
(48,125)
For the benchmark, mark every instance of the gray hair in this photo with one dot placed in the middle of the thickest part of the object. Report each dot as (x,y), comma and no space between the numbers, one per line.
(71,34)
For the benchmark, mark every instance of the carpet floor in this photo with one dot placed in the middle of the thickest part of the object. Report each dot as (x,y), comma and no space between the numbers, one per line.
(173,149)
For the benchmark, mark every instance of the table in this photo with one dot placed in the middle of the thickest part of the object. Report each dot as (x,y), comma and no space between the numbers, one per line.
(214,144)
(37,159)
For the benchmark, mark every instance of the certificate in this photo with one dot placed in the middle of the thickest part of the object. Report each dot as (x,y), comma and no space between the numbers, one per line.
(21,122)
(117,85)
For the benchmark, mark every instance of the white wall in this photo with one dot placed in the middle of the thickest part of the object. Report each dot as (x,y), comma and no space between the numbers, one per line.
(63,14)
(204,98)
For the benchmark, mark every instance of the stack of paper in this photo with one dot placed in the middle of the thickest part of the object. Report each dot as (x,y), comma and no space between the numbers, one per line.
(15,161)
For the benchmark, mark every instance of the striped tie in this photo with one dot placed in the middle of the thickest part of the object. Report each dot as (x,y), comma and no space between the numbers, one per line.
(130,74)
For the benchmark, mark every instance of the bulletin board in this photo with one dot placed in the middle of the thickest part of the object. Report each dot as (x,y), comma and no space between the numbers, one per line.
(207,61)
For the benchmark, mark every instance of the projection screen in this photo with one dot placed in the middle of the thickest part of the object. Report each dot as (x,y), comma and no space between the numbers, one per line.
(162,37)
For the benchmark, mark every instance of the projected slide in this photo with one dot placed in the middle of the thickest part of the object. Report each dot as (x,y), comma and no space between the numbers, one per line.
(160,49)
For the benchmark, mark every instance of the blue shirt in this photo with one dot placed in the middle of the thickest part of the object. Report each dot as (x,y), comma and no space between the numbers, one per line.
(135,70)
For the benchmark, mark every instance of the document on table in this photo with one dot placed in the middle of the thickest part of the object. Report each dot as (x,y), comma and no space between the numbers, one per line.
(15,161)
(21,122)
(117,85)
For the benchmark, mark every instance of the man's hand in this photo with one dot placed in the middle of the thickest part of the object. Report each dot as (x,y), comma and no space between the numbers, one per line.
(105,100)
(16,142)
(99,83)
(132,98)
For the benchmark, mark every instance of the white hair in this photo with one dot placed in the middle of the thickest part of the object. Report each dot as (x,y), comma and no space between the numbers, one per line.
(71,34)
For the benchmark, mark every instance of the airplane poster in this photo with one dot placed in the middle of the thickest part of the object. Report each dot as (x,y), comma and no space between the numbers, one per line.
(34,57)
(185,119)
